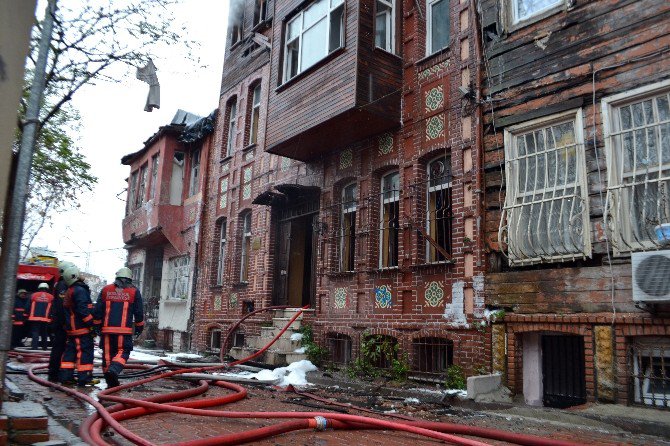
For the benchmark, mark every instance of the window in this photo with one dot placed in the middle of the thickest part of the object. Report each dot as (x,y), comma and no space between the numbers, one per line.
(194,183)
(432,355)
(222,253)
(339,347)
(255,114)
(438,218)
(236,21)
(384,25)
(178,276)
(142,189)
(651,371)
(154,176)
(232,116)
(637,140)
(437,25)
(137,275)
(526,9)
(260,11)
(348,229)
(389,223)
(246,247)
(132,191)
(214,340)
(313,34)
(546,203)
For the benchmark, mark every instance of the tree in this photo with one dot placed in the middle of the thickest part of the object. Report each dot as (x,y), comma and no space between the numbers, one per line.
(93,41)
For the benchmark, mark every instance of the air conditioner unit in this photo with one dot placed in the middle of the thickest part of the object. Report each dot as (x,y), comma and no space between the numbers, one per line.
(651,276)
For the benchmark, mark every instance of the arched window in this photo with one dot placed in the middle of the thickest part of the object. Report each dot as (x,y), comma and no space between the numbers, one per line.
(438,210)
(246,247)
(221,261)
(254,113)
(348,228)
(389,221)
(231,113)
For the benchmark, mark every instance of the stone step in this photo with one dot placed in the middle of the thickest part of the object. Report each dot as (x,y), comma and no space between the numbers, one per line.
(280,322)
(271,332)
(283,344)
(293,357)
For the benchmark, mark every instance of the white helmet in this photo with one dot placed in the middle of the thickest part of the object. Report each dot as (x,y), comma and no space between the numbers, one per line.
(71,275)
(63,265)
(125,273)
(43,286)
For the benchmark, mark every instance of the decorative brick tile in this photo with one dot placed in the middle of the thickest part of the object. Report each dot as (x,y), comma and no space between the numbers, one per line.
(434,99)
(383,296)
(385,143)
(346,159)
(340,300)
(435,127)
(434,294)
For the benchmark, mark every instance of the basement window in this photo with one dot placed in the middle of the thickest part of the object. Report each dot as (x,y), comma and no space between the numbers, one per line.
(432,356)
(390,221)
(546,207)
(651,371)
(214,340)
(339,346)
(637,143)
(311,35)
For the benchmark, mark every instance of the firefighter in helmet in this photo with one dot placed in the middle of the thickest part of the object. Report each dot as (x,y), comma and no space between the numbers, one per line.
(57,325)
(119,313)
(39,315)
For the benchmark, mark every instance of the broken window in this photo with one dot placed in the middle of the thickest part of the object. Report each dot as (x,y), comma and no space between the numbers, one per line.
(222,252)
(650,359)
(238,339)
(384,25)
(437,25)
(246,247)
(194,183)
(232,116)
(380,350)
(136,271)
(389,222)
(154,176)
(525,9)
(132,191)
(637,139)
(432,356)
(438,217)
(178,268)
(547,216)
(339,347)
(255,114)
(313,34)
(142,188)
(236,21)
(260,11)
(214,340)
(348,228)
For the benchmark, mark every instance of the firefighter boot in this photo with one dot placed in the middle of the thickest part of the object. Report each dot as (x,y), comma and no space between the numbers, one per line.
(112,379)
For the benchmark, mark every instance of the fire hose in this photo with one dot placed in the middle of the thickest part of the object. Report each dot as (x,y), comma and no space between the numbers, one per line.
(131,408)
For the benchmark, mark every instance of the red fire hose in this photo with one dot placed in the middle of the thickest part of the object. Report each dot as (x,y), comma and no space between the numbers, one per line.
(129,408)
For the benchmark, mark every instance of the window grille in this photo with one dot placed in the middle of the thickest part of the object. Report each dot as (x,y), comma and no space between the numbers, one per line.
(437,25)
(432,356)
(339,347)
(438,210)
(383,349)
(348,228)
(154,176)
(650,372)
(311,35)
(246,247)
(255,114)
(195,173)
(384,25)
(546,205)
(389,223)
(637,139)
(179,272)
(222,253)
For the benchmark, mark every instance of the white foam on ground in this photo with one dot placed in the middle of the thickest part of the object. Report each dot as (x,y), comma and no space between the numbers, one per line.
(412,401)
(296,337)
(300,350)
(294,374)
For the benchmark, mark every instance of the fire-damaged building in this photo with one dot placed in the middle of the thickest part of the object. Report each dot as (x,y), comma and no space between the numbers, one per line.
(161,226)
(576,137)
(344,175)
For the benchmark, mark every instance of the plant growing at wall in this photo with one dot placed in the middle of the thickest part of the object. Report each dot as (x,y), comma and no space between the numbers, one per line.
(455,377)
(315,353)
(375,350)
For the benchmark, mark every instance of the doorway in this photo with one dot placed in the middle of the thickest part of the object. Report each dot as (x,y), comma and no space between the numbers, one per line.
(563,375)
(295,278)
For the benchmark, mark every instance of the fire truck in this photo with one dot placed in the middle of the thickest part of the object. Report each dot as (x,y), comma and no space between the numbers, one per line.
(37,270)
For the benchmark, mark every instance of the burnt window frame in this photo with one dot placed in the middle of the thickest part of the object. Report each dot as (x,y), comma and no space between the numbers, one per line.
(236,28)
(260,11)
(132,191)
(194,173)
(140,197)
(231,125)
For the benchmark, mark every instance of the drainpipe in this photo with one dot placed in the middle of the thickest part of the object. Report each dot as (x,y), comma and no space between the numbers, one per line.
(16,205)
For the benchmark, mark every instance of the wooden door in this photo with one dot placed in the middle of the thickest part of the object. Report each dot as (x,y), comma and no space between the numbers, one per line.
(283,249)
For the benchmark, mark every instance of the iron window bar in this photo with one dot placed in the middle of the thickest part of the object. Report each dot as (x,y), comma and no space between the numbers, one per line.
(650,372)
(432,356)
(339,348)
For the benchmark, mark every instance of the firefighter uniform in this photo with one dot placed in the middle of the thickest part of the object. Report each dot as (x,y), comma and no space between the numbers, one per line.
(119,313)
(78,352)
(57,329)
(19,318)
(39,315)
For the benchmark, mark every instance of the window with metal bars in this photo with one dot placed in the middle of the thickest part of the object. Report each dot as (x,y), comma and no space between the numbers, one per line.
(650,371)
(339,347)
(389,222)
(382,350)
(637,142)
(546,203)
(347,245)
(432,355)
(438,210)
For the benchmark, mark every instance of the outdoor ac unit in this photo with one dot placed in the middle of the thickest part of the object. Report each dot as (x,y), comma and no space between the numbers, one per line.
(651,276)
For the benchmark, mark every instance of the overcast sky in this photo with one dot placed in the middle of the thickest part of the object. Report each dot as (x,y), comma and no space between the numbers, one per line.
(113,124)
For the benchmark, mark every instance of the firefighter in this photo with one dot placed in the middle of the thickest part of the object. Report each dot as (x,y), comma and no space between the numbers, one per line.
(78,352)
(19,318)
(39,315)
(57,325)
(119,312)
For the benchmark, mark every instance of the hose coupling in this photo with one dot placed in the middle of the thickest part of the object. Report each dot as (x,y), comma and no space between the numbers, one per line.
(321,423)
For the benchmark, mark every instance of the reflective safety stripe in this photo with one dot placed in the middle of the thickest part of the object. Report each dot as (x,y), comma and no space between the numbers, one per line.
(20,310)
(84,367)
(124,314)
(117,330)
(17,323)
(88,318)
(67,365)
(106,348)
(79,332)
(77,343)
(139,324)
(39,319)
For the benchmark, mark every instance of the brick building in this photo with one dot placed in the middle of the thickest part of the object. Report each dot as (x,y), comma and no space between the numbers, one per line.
(344,175)
(576,144)
(161,227)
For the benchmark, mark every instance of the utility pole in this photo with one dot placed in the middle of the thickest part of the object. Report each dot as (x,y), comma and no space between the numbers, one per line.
(16,209)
